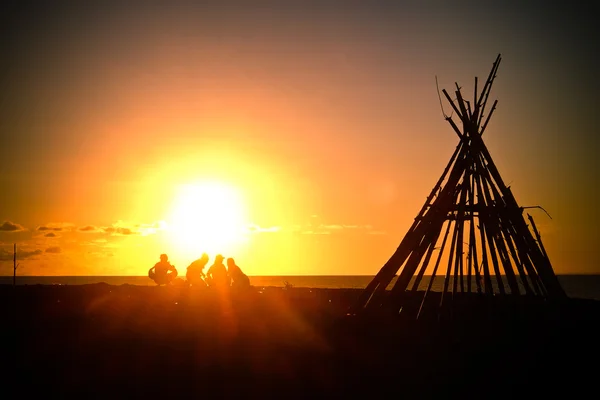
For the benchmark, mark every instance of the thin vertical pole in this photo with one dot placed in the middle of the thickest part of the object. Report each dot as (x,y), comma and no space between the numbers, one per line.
(435,268)
(14,264)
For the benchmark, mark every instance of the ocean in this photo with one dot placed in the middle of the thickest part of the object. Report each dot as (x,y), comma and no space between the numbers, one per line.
(576,286)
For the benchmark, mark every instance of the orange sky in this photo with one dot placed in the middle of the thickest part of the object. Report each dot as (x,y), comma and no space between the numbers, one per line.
(324,118)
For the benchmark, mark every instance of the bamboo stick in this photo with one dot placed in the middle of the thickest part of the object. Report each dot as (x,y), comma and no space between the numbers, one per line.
(543,268)
(470,186)
(482,210)
(462,117)
(435,224)
(459,224)
(490,78)
(475,114)
(485,93)
(14,264)
(540,263)
(488,118)
(503,230)
(538,236)
(435,217)
(472,239)
(469,110)
(453,125)
(450,259)
(461,104)
(513,253)
(493,233)
(414,260)
(387,272)
(419,276)
(525,259)
(489,224)
(435,268)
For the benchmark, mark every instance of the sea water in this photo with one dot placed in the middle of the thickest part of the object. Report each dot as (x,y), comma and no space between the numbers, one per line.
(576,286)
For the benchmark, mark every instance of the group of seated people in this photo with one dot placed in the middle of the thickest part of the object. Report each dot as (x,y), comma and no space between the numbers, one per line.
(218,275)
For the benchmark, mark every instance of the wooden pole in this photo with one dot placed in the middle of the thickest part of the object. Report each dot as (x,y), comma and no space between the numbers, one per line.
(537,235)
(483,98)
(501,220)
(475,114)
(513,253)
(450,260)
(488,118)
(509,223)
(493,221)
(431,220)
(436,216)
(430,237)
(419,277)
(541,264)
(523,255)
(435,268)
(462,117)
(482,211)
(489,80)
(469,110)
(386,273)
(459,231)
(14,264)
(489,223)
(461,104)
(413,262)
(469,187)
(472,238)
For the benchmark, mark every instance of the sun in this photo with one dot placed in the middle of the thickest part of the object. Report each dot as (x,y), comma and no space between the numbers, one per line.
(207,217)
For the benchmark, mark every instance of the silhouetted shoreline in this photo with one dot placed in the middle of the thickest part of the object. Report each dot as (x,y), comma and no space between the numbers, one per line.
(130,341)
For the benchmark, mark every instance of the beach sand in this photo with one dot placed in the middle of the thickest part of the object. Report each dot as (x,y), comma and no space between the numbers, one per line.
(99,341)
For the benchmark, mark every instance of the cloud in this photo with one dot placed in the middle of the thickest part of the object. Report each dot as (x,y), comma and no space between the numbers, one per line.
(340,227)
(329,229)
(53,249)
(56,226)
(7,254)
(120,231)
(150,229)
(8,226)
(121,228)
(88,228)
(259,229)
(47,228)
(51,234)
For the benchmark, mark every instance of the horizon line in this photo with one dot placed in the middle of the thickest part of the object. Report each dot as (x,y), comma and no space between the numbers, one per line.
(283,275)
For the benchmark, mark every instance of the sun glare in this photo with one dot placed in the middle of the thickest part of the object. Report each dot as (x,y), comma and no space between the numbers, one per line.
(207,217)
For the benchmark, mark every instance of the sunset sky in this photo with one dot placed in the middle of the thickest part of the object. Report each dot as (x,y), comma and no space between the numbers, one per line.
(311,131)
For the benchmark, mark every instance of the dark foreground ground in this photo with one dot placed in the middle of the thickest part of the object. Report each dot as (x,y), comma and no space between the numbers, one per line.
(101,341)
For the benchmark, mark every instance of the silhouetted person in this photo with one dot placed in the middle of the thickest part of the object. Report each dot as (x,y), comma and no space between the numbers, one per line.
(163,272)
(217,273)
(240,280)
(195,274)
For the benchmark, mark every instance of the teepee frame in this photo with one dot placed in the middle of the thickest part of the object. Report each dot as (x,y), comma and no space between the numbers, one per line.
(486,244)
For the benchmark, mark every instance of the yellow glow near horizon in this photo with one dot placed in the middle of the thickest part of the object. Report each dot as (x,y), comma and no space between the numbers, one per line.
(207,217)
